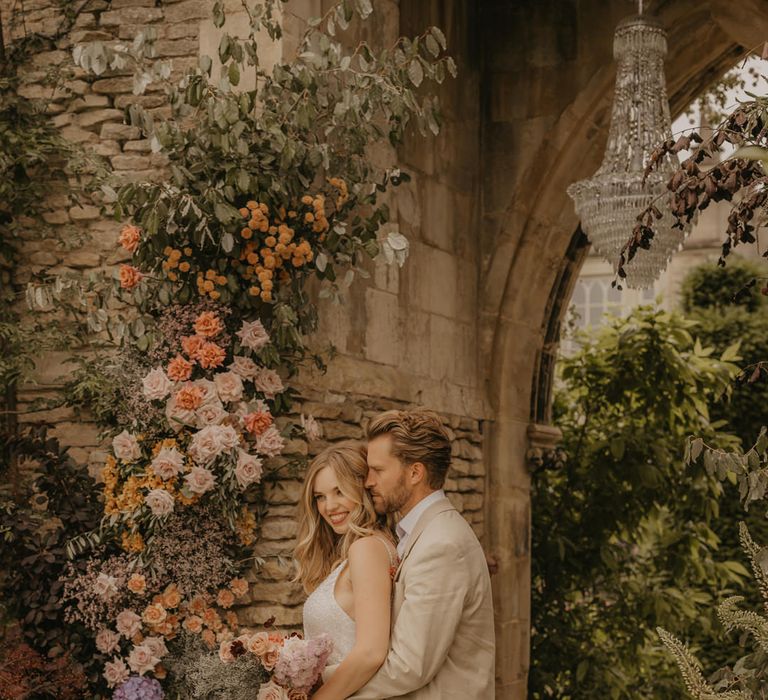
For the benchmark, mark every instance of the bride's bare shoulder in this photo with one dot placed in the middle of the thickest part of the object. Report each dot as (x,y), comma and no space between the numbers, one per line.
(374,547)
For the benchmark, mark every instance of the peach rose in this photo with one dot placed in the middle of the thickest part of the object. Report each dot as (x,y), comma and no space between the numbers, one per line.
(128,623)
(126,447)
(239,586)
(191,345)
(272,691)
(225,652)
(200,480)
(105,586)
(253,335)
(229,386)
(130,237)
(211,413)
(137,584)
(197,605)
(189,397)
(156,646)
(160,502)
(115,672)
(211,619)
(248,469)
(209,637)
(312,428)
(193,624)
(168,462)
(244,366)
(154,614)
(156,385)
(177,416)
(171,596)
(225,598)
(270,443)
(129,276)
(258,643)
(269,657)
(257,422)
(179,369)
(160,673)
(211,356)
(208,324)
(141,659)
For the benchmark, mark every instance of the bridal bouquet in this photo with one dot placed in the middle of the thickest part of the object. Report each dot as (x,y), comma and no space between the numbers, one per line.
(294,664)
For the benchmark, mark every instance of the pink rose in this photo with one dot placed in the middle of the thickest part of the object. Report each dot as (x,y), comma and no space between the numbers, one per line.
(312,428)
(271,691)
(115,672)
(270,443)
(107,641)
(126,447)
(244,367)
(210,414)
(156,646)
(128,623)
(160,502)
(209,390)
(168,463)
(253,335)
(209,442)
(200,480)
(248,469)
(229,386)
(268,382)
(156,385)
(141,659)
(105,586)
(177,416)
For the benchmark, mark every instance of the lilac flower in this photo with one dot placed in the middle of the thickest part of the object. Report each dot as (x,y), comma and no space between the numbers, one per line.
(138,688)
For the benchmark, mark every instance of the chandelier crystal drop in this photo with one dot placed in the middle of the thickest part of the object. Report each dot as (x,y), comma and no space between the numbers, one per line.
(608,203)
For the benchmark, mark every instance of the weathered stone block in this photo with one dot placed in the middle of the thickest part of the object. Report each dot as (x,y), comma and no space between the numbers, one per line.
(89,102)
(98,116)
(58,216)
(120,132)
(278,528)
(130,162)
(336,430)
(86,213)
(130,15)
(83,259)
(113,86)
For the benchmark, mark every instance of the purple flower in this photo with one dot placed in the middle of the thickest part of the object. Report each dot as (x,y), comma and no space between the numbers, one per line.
(139,688)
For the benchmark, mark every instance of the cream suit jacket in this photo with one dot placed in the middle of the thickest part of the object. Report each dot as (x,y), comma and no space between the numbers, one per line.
(442,644)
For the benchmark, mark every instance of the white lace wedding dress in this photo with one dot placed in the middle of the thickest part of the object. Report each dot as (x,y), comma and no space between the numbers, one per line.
(323,614)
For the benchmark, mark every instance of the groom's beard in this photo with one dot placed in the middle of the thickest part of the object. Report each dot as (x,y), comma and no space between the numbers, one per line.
(394,501)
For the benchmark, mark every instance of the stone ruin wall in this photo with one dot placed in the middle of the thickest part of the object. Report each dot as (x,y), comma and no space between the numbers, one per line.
(404,337)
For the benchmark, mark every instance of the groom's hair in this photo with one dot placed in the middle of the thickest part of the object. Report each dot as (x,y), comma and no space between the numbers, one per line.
(418,435)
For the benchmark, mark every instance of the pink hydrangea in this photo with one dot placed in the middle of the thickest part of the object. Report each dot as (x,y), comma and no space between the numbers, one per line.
(302,661)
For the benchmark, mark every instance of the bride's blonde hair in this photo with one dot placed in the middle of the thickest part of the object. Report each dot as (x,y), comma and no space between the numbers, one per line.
(319,548)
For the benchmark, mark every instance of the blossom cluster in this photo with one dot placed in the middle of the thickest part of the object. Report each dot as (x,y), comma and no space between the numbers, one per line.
(295,664)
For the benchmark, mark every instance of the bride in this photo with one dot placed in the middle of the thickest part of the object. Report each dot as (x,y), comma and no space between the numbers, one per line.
(345,560)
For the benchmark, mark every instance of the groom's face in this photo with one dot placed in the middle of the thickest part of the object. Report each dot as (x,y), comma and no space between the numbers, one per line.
(386,480)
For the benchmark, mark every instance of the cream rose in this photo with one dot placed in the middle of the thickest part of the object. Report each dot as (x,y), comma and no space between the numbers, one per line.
(115,672)
(268,382)
(248,469)
(128,623)
(253,335)
(178,417)
(156,385)
(156,646)
(270,443)
(200,480)
(107,641)
(311,427)
(209,442)
(210,414)
(258,643)
(210,394)
(244,367)
(168,463)
(229,386)
(141,659)
(126,447)
(105,586)
(160,502)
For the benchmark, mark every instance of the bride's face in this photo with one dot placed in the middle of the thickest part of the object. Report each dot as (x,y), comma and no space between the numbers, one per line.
(332,505)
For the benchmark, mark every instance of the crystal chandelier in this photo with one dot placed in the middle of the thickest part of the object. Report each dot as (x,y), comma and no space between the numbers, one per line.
(608,203)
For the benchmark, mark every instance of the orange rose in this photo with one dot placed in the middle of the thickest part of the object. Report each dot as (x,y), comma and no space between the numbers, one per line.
(137,584)
(211,619)
(179,369)
(225,598)
(209,637)
(191,345)
(193,624)
(130,237)
(189,397)
(208,324)
(257,422)
(154,614)
(239,586)
(232,620)
(270,657)
(160,671)
(211,356)
(171,597)
(129,276)
(197,605)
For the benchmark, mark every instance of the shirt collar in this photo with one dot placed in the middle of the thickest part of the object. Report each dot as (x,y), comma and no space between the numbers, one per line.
(405,526)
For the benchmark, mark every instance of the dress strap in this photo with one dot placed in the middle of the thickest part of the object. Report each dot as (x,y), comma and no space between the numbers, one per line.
(391,551)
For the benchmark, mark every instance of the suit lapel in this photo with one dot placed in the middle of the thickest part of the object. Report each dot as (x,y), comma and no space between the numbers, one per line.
(421,524)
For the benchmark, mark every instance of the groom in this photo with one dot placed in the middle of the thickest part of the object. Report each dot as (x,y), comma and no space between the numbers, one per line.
(442,643)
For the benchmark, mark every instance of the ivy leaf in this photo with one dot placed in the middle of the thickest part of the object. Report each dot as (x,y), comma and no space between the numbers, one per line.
(415,72)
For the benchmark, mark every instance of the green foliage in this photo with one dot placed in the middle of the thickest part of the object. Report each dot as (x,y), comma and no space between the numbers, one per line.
(45,499)
(622,537)
(722,287)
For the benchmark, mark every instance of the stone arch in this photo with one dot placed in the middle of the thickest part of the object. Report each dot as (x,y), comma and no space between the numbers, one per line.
(546,89)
